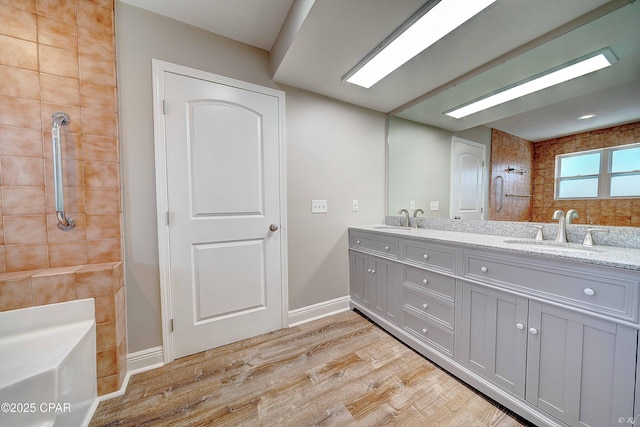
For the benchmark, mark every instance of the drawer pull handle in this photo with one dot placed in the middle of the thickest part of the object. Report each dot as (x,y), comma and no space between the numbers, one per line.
(533,331)
(519,326)
(424,331)
(357,242)
(369,270)
(373,272)
(589,291)
(386,248)
(426,256)
(484,269)
(425,281)
(425,306)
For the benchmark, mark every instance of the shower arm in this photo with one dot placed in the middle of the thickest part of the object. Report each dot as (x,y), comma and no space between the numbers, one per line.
(59,120)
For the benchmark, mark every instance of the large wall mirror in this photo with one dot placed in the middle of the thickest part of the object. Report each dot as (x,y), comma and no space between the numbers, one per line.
(523,137)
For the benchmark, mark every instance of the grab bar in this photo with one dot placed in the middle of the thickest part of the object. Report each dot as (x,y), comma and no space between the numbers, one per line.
(59,119)
(501,199)
(517,195)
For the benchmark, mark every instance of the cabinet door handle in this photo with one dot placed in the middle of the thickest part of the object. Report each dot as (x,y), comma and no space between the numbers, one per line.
(533,331)
(589,291)
(519,326)
(386,248)
(426,256)
(369,270)
(373,272)
(424,331)
(484,269)
(425,281)
(425,306)
(357,242)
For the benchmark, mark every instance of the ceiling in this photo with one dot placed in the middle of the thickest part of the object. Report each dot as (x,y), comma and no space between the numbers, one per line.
(314,43)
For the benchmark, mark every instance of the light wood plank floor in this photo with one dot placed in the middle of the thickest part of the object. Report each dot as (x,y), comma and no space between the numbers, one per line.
(342,370)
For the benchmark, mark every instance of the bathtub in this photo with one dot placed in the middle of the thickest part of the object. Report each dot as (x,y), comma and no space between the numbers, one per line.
(48,365)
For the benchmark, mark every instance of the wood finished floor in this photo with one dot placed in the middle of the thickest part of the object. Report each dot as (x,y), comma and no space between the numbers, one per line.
(342,370)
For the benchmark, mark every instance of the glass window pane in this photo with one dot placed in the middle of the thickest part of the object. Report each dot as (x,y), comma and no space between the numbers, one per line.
(625,185)
(585,164)
(626,160)
(572,188)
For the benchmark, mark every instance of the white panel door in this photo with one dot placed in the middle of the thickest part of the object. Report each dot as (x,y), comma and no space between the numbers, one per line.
(467,179)
(223,191)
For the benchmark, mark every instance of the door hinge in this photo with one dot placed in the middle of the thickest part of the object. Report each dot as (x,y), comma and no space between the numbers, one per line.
(171,325)
(483,163)
(481,210)
(168,217)
(164,107)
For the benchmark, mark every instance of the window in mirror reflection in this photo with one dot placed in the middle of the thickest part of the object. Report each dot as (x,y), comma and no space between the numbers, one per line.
(599,174)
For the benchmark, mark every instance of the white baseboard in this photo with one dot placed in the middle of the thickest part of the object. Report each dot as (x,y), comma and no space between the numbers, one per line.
(144,360)
(317,311)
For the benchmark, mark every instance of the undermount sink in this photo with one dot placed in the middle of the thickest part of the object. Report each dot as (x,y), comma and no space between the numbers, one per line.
(553,245)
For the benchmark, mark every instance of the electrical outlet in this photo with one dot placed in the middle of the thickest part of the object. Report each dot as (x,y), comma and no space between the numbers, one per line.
(319,206)
(412,205)
(355,206)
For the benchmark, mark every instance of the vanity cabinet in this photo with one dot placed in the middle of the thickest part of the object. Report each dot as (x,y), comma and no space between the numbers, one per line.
(553,340)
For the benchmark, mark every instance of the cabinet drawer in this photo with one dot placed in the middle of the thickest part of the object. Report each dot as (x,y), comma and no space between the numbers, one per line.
(428,332)
(380,245)
(584,288)
(429,255)
(443,286)
(440,311)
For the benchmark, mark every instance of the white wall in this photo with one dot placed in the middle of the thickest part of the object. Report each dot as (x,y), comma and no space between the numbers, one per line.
(335,151)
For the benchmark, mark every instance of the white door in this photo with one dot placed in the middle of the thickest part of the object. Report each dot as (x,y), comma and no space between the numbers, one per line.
(467,179)
(223,196)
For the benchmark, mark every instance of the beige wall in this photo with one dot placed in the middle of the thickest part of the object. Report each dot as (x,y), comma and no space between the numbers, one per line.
(335,151)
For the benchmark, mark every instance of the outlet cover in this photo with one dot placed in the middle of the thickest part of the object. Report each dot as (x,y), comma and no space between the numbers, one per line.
(435,206)
(318,206)
(412,205)
(355,206)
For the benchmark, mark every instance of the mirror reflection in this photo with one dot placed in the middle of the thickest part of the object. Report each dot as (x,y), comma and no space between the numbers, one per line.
(523,138)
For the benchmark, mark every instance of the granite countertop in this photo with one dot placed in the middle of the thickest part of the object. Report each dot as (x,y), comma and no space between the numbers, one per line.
(619,257)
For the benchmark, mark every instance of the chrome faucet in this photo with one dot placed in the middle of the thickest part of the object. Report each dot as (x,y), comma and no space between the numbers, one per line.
(415,215)
(571,214)
(406,212)
(562,230)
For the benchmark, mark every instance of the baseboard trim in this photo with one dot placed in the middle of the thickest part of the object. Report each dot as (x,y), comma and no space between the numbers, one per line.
(144,360)
(317,311)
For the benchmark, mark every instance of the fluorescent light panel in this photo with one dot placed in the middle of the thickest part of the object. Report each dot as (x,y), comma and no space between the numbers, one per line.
(571,70)
(437,22)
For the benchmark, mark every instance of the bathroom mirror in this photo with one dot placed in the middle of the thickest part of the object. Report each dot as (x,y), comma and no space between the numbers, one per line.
(419,135)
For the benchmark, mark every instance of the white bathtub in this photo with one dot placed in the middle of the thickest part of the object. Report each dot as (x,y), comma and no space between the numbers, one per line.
(48,365)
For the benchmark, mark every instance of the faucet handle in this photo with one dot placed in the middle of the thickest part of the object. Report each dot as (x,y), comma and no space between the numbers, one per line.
(588,239)
(539,235)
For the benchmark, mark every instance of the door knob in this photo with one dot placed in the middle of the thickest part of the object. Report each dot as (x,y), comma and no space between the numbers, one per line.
(273,227)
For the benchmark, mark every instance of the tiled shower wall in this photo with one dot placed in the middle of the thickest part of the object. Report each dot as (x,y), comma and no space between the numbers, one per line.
(617,212)
(509,151)
(59,55)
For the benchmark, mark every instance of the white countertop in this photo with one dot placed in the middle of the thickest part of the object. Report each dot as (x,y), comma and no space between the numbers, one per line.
(627,258)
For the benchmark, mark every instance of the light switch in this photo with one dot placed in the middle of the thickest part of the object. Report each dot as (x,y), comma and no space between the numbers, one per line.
(412,205)
(355,206)
(435,206)
(318,206)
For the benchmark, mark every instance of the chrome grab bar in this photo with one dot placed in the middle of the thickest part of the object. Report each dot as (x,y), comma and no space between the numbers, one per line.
(59,119)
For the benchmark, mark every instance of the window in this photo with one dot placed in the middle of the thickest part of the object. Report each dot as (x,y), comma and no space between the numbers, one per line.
(599,174)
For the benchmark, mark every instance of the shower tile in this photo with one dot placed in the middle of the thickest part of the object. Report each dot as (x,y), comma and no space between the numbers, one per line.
(94,281)
(71,145)
(101,201)
(57,33)
(19,83)
(3,267)
(105,309)
(23,200)
(101,175)
(101,251)
(105,336)
(53,288)
(17,23)
(26,257)
(24,229)
(118,277)
(94,16)
(103,226)
(55,235)
(100,123)
(98,149)
(73,200)
(98,71)
(20,142)
(62,90)
(58,61)
(74,126)
(68,254)
(15,294)
(98,97)
(95,43)
(120,302)
(107,385)
(22,171)
(106,363)
(63,10)
(71,173)
(29,5)
(20,113)
(18,53)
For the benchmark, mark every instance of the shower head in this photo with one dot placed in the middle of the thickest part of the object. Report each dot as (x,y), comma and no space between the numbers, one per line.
(60,118)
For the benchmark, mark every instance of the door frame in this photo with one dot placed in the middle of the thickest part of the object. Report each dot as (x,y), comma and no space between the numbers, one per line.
(158,69)
(485,173)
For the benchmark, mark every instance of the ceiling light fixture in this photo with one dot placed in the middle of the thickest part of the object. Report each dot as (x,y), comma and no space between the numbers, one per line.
(432,22)
(587,116)
(571,70)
